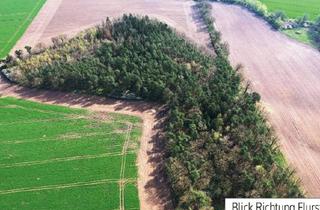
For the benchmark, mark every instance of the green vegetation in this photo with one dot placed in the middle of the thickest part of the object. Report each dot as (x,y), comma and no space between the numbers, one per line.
(300,34)
(217,141)
(112,61)
(314,32)
(204,9)
(303,30)
(275,19)
(15,17)
(54,157)
(296,26)
(296,8)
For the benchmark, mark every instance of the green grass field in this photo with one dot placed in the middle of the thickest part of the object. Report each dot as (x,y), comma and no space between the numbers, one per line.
(15,17)
(295,8)
(59,158)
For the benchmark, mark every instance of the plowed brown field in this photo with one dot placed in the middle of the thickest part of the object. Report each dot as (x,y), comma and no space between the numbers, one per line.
(72,16)
(287,75)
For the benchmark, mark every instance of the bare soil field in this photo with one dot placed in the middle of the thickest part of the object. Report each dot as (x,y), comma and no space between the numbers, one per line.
(287,75)
(38,25)
(69,17)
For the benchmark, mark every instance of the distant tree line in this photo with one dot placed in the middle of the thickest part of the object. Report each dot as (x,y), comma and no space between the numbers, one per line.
(275,19)
(204,10)
(218,144)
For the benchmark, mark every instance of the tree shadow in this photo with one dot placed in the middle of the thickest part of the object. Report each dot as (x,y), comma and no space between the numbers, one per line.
(75,99)
(201,26)
(159,185)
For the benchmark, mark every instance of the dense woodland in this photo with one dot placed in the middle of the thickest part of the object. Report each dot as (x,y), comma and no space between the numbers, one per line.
(217,141)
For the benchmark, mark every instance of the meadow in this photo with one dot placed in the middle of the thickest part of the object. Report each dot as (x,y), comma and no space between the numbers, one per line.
(55,157)
(295,8)
(15,17)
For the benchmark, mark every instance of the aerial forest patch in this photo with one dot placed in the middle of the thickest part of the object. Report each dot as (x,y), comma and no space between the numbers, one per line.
(218,143)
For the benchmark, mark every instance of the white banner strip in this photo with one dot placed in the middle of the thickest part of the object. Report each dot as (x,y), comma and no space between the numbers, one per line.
(271,204)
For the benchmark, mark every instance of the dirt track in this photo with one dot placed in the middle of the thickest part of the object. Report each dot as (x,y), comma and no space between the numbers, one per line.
(287,75)
(39,24)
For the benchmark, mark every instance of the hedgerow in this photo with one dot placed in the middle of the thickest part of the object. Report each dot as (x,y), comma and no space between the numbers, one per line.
(259,9)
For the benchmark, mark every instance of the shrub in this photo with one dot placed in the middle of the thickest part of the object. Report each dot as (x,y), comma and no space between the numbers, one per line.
(256,6)
(315,32)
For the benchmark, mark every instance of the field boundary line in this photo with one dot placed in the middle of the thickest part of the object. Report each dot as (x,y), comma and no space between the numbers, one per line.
(19,28)
(40,110)
(84,157)
(102,134)
(123,167)
(129,209)
(47,120)
(14,14)
(61,186)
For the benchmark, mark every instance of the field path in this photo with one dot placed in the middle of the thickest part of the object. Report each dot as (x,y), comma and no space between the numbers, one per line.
(38,25)
(287,75)
(123,168)
(153,193)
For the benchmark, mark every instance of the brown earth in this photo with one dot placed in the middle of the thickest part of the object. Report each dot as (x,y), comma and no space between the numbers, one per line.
(287,75)
(38,25)
(69,17)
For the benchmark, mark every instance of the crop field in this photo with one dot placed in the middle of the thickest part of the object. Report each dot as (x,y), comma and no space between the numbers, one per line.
(295,8)
(55,157)
(15,17)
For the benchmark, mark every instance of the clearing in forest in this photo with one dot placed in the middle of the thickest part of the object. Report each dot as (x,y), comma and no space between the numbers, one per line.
(15,17)
(55,157)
